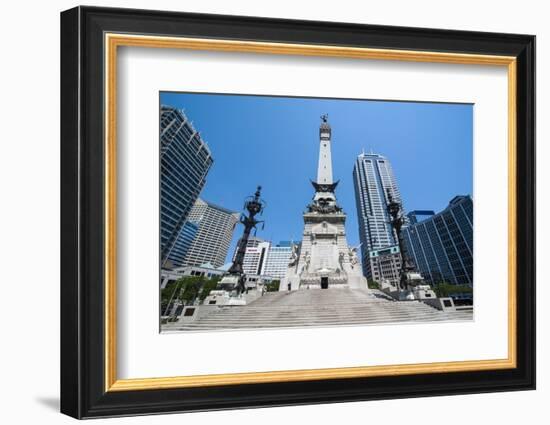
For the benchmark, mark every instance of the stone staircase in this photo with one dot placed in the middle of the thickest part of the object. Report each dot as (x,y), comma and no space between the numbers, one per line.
(318,307)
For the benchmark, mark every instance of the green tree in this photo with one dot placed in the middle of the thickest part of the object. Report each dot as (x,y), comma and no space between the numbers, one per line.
(372,284)
(184,289)
(444,289)
(273,286)
(191,289)
(169,292)
(208,286)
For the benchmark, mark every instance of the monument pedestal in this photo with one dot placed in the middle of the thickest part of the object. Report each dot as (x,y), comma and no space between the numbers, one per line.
(324,259)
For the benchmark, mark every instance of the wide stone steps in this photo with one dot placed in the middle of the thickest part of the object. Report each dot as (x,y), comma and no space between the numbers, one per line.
(311,323)
(329,320)
(413,306)
(316,307)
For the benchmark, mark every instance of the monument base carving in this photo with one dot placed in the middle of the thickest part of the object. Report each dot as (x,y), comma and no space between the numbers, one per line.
(324,259)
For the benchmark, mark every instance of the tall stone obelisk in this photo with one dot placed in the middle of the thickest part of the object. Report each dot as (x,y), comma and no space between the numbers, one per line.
(324,258)
(324,169)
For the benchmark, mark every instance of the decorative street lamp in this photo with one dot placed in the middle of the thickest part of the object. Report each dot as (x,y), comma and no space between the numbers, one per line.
(397,221)
(254,205)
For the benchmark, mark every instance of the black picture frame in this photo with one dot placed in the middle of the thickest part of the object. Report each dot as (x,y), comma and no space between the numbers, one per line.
(83,392)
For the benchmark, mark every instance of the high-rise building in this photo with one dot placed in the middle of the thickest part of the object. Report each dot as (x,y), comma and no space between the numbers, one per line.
(185,160)
(384,264)
(277,261)
(419,215)
(255,256)
(266,259)
(183,242)
(442,244)
(211,243)
(373,179)
(252,242)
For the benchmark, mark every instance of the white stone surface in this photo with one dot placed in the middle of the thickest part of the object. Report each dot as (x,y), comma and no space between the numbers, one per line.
(324,170)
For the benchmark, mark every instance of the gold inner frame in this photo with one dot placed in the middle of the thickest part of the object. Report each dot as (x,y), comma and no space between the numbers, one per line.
(113,41)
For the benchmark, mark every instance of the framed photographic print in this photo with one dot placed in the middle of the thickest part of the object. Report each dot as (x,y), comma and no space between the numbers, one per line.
(262,212)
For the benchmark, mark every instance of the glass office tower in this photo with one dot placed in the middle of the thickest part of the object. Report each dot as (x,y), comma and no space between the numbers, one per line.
(441,245)
(185,160)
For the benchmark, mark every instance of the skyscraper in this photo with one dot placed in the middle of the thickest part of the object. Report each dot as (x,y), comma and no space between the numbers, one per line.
(278,257)
(373,178)
(255,256)
(384,264)
(216,226)
(419,215)
(442,244)
(266,259)
(252,242)
(182,244)
(185,160)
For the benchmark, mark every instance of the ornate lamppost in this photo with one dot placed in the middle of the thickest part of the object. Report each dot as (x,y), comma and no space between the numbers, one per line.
(254,205)
(397,221)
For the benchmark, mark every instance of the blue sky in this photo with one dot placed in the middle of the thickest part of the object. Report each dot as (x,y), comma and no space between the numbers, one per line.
(274,142)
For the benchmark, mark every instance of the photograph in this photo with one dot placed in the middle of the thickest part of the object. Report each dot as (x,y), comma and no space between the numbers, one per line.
(293,212)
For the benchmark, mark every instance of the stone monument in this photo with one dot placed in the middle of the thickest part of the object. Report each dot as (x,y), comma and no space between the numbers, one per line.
(324,259)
